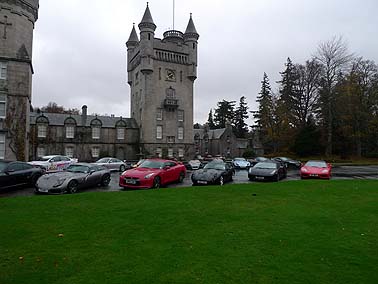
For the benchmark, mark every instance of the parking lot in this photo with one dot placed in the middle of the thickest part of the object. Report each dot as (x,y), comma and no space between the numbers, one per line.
(241,176)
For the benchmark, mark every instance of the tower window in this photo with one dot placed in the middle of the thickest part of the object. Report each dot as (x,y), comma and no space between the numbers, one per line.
(159,132)
(159,114)
(3,104)
(2,145)
(180,133)
(3,70)
(194,45)
(149,36)
(180,115)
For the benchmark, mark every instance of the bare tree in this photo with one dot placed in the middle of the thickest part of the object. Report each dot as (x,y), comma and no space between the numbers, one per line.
(334,57)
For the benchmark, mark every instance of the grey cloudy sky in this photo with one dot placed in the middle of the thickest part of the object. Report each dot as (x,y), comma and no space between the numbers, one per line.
(79,54)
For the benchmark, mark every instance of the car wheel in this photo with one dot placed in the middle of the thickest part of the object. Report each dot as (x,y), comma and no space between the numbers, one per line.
(122,168)
(105,180)
(157,183)
(181,177)
(34,179)
(221,181)
(72,186)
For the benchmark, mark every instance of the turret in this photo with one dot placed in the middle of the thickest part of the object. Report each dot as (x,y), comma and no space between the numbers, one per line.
(131,44)
(147,33)
(191,39)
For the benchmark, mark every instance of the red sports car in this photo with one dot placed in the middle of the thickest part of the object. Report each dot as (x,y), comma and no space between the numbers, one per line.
(316,169)
(153,173)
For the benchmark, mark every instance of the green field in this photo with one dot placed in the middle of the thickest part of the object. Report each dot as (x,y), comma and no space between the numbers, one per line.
(287,232)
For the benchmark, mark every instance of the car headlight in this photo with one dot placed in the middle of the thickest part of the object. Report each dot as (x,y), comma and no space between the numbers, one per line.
(148,176)
(59,182)
(324,171)
(273,172)
(304,170)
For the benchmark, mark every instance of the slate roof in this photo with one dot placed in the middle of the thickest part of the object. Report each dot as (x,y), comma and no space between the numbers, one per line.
(191,29)
(213,133)
(147,18)
(58,119)
(133,36)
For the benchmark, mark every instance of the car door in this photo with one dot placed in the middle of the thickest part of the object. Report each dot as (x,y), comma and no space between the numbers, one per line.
(17,174)
(94,176)
(63,163)
(114,164)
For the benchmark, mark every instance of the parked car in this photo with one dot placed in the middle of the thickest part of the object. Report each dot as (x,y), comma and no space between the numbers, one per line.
(241,163)
(288,162)
(195,164)
(18,174)
(75,177)
(153,173)
(316,169)
(267,170)
(53,163)
(113,164)
(215,172)
(257,160)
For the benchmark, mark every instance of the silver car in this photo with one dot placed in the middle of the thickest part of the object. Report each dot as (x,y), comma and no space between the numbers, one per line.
(113,164)
(75,177)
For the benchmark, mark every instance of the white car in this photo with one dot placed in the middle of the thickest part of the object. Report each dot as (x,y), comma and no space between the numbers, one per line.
(241,163)
(53,163)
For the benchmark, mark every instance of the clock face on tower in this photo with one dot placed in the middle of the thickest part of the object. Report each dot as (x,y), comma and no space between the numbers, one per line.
(171,75)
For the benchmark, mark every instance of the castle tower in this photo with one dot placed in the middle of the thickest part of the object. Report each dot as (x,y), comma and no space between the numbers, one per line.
(161,75)
(17,20)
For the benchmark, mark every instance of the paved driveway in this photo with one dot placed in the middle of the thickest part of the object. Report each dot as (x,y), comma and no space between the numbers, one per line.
(241,176)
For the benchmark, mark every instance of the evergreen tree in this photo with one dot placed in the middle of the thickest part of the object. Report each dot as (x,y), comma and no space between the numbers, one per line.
(241,114)
(224,112)
(210,120)
(265,116)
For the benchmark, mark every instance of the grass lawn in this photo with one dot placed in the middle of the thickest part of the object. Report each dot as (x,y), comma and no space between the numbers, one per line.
(286,232)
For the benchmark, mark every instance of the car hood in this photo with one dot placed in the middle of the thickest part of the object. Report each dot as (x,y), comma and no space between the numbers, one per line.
(51,179)
(259,171)
(206,174)
(140,172)
(39,163)
(314,170)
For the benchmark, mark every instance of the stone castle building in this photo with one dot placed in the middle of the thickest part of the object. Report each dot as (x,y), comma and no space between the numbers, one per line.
(17,18)
(161,75)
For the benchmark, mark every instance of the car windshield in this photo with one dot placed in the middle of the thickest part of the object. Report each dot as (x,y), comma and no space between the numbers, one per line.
(78,169)
(284,158)
(44,159)
(316,164)
(3,166)
(265,165)
(151,164)
(240,160)
(215,166)
(103,160)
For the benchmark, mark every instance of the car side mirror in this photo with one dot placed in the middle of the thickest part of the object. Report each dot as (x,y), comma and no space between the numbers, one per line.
(91,171)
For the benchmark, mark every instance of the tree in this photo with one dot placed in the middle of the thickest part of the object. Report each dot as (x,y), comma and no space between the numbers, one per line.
(210,120)
(265,119)
(241,114)
(334,57)
(55,108)
(223,113)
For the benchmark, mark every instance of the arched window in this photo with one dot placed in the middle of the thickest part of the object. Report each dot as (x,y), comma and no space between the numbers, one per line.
(121,127)
(70,124)
(96,128)
(42,123)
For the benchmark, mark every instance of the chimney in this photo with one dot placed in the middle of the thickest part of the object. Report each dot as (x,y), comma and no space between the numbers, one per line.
(84,109)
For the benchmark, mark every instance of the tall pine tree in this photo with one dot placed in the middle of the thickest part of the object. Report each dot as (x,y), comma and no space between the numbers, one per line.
(210,120)
(224,112)
(241,114)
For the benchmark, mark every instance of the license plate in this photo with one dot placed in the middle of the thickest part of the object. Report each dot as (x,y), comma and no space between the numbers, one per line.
(130,181)
(202,182)
(261,178)
(43,190)
(313,175)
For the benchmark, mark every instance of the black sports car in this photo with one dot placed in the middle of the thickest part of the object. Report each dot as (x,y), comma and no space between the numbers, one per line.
(288,162)
(215,172)
(268,170)
(17,174)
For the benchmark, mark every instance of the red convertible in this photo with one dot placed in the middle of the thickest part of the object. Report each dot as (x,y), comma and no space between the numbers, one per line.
(153,173)
(316,169)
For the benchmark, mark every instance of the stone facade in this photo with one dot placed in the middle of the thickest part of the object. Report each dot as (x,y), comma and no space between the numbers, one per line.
(161,74)
(222,142)
(85,137)
(17,18)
